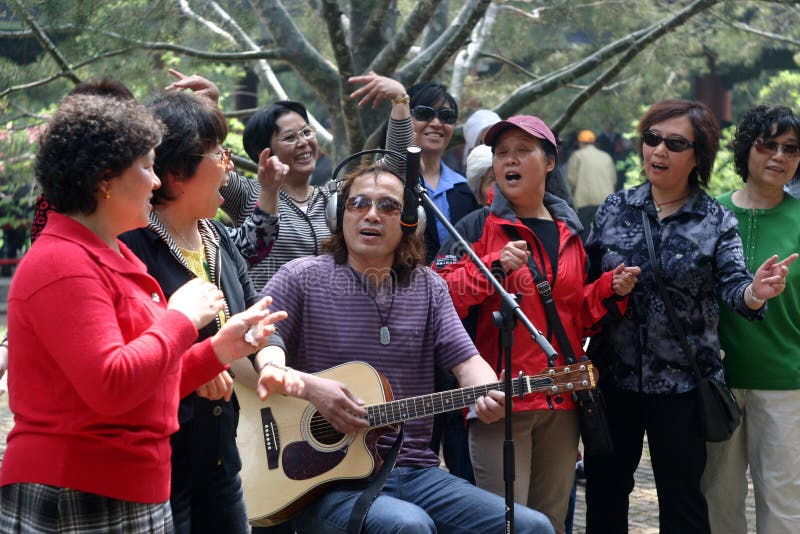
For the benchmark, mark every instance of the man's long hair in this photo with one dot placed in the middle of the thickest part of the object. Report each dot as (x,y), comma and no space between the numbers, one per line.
(409,254)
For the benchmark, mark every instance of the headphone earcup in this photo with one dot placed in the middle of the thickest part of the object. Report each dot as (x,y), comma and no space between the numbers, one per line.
(422,221)
(334,209)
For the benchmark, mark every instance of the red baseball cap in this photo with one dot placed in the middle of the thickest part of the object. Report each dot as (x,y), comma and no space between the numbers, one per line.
(527,123)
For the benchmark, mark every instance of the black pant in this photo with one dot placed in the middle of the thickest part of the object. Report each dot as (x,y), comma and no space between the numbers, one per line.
(678,456)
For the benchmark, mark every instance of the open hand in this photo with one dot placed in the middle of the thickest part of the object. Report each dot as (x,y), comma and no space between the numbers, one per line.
(376,88)
(246,332)
(198,300)
(769,279)
(196,83)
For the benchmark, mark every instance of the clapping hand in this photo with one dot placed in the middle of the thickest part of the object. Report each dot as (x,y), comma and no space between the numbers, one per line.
(624,278)
(219,387)
(246,332)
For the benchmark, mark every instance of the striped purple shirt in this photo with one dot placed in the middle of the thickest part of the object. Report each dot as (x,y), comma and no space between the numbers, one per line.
(333,320)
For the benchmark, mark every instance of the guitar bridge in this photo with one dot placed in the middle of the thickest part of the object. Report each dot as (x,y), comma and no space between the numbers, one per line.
(272,442)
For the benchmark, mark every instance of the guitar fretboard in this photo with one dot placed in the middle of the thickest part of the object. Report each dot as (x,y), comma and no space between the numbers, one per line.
(415,407)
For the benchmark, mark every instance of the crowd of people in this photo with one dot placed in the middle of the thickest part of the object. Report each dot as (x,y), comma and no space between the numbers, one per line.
(125,411)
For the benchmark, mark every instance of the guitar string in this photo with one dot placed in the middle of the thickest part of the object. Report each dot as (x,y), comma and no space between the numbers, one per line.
(396,407)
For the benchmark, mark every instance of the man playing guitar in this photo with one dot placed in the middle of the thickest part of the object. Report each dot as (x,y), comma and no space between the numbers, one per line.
(371,299)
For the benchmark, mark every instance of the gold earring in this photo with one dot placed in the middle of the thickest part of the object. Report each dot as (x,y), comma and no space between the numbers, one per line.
(107,195)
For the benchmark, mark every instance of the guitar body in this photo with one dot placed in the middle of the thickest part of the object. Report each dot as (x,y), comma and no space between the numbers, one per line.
(290,454)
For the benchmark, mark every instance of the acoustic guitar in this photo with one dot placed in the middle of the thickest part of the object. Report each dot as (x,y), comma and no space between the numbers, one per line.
(290,453)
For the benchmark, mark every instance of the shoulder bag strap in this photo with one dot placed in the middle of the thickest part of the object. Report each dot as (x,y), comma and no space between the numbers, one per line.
(673,317)
(546,293)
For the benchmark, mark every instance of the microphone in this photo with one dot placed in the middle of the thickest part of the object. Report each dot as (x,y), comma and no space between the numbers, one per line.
(410,216)
(412,166)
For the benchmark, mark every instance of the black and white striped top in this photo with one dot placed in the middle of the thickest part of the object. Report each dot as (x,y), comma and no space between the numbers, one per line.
(300,232)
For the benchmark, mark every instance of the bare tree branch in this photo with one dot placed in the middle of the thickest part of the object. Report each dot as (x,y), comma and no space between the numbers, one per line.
(46,43)
(761,33)
(658,31)
(431,60)
(534,76)
(387,60)
(529,92)
(467,57)
(305,59)
(183,5)
(341,51)
(371,33)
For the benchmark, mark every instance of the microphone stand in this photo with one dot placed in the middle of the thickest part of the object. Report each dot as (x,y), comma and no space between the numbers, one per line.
(505,319)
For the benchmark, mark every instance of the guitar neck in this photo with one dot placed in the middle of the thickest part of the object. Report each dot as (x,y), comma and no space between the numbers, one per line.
(425,405)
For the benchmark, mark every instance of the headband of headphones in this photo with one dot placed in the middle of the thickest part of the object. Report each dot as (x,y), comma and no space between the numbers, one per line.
(412,212)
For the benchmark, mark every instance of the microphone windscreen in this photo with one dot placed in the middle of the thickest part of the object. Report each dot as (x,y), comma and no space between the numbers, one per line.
(412,166)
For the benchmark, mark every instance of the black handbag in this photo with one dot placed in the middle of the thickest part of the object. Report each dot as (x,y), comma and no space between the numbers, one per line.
(591,407)
(719,413)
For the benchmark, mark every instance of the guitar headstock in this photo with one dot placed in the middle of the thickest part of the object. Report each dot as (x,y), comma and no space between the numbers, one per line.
(564,379)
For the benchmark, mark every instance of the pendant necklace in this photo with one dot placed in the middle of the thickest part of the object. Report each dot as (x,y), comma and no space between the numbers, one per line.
(385,336)
(658,205)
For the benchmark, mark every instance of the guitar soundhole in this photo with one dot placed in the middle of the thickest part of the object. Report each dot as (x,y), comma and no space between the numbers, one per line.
(323,432)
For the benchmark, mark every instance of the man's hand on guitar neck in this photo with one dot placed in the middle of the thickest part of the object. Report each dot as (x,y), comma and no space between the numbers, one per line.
(335,403)
(491,408)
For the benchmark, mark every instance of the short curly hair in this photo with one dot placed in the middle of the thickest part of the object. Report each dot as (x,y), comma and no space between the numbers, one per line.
(90,139)
(194,125)
(706,133)
(760,122)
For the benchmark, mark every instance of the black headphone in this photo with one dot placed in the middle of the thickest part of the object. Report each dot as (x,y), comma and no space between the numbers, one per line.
(412,218)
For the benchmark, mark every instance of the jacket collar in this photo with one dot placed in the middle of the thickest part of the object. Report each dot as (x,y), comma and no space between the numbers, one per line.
(210,248)
(63,227)
(557,207)
(642,196)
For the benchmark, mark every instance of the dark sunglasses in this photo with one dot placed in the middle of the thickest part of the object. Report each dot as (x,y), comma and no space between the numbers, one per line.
(385,205)
(674,143)
(772,148)
(426,114)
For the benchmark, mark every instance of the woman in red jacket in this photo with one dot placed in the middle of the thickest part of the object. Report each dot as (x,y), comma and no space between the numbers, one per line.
(525,222)
(99,358)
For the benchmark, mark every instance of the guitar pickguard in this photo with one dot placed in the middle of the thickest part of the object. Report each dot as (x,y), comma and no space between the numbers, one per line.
(301,461)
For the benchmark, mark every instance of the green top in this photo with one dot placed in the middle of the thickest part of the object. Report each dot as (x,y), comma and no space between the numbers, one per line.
(766,354)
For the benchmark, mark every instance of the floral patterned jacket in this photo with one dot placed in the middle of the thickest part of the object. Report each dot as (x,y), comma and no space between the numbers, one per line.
(702,263)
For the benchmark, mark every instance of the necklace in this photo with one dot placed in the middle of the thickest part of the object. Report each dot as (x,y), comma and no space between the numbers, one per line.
(179,238)
(298,201)
(658,205)
(385,336)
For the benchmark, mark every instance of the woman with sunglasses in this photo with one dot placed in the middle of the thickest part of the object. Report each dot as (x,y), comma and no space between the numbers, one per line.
(434,112)
(182,242)
(761,366)
(644,374)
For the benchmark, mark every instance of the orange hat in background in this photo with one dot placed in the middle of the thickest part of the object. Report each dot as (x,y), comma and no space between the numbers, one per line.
(586,136)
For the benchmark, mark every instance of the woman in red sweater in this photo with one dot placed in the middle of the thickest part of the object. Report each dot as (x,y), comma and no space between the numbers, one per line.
(99,358)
